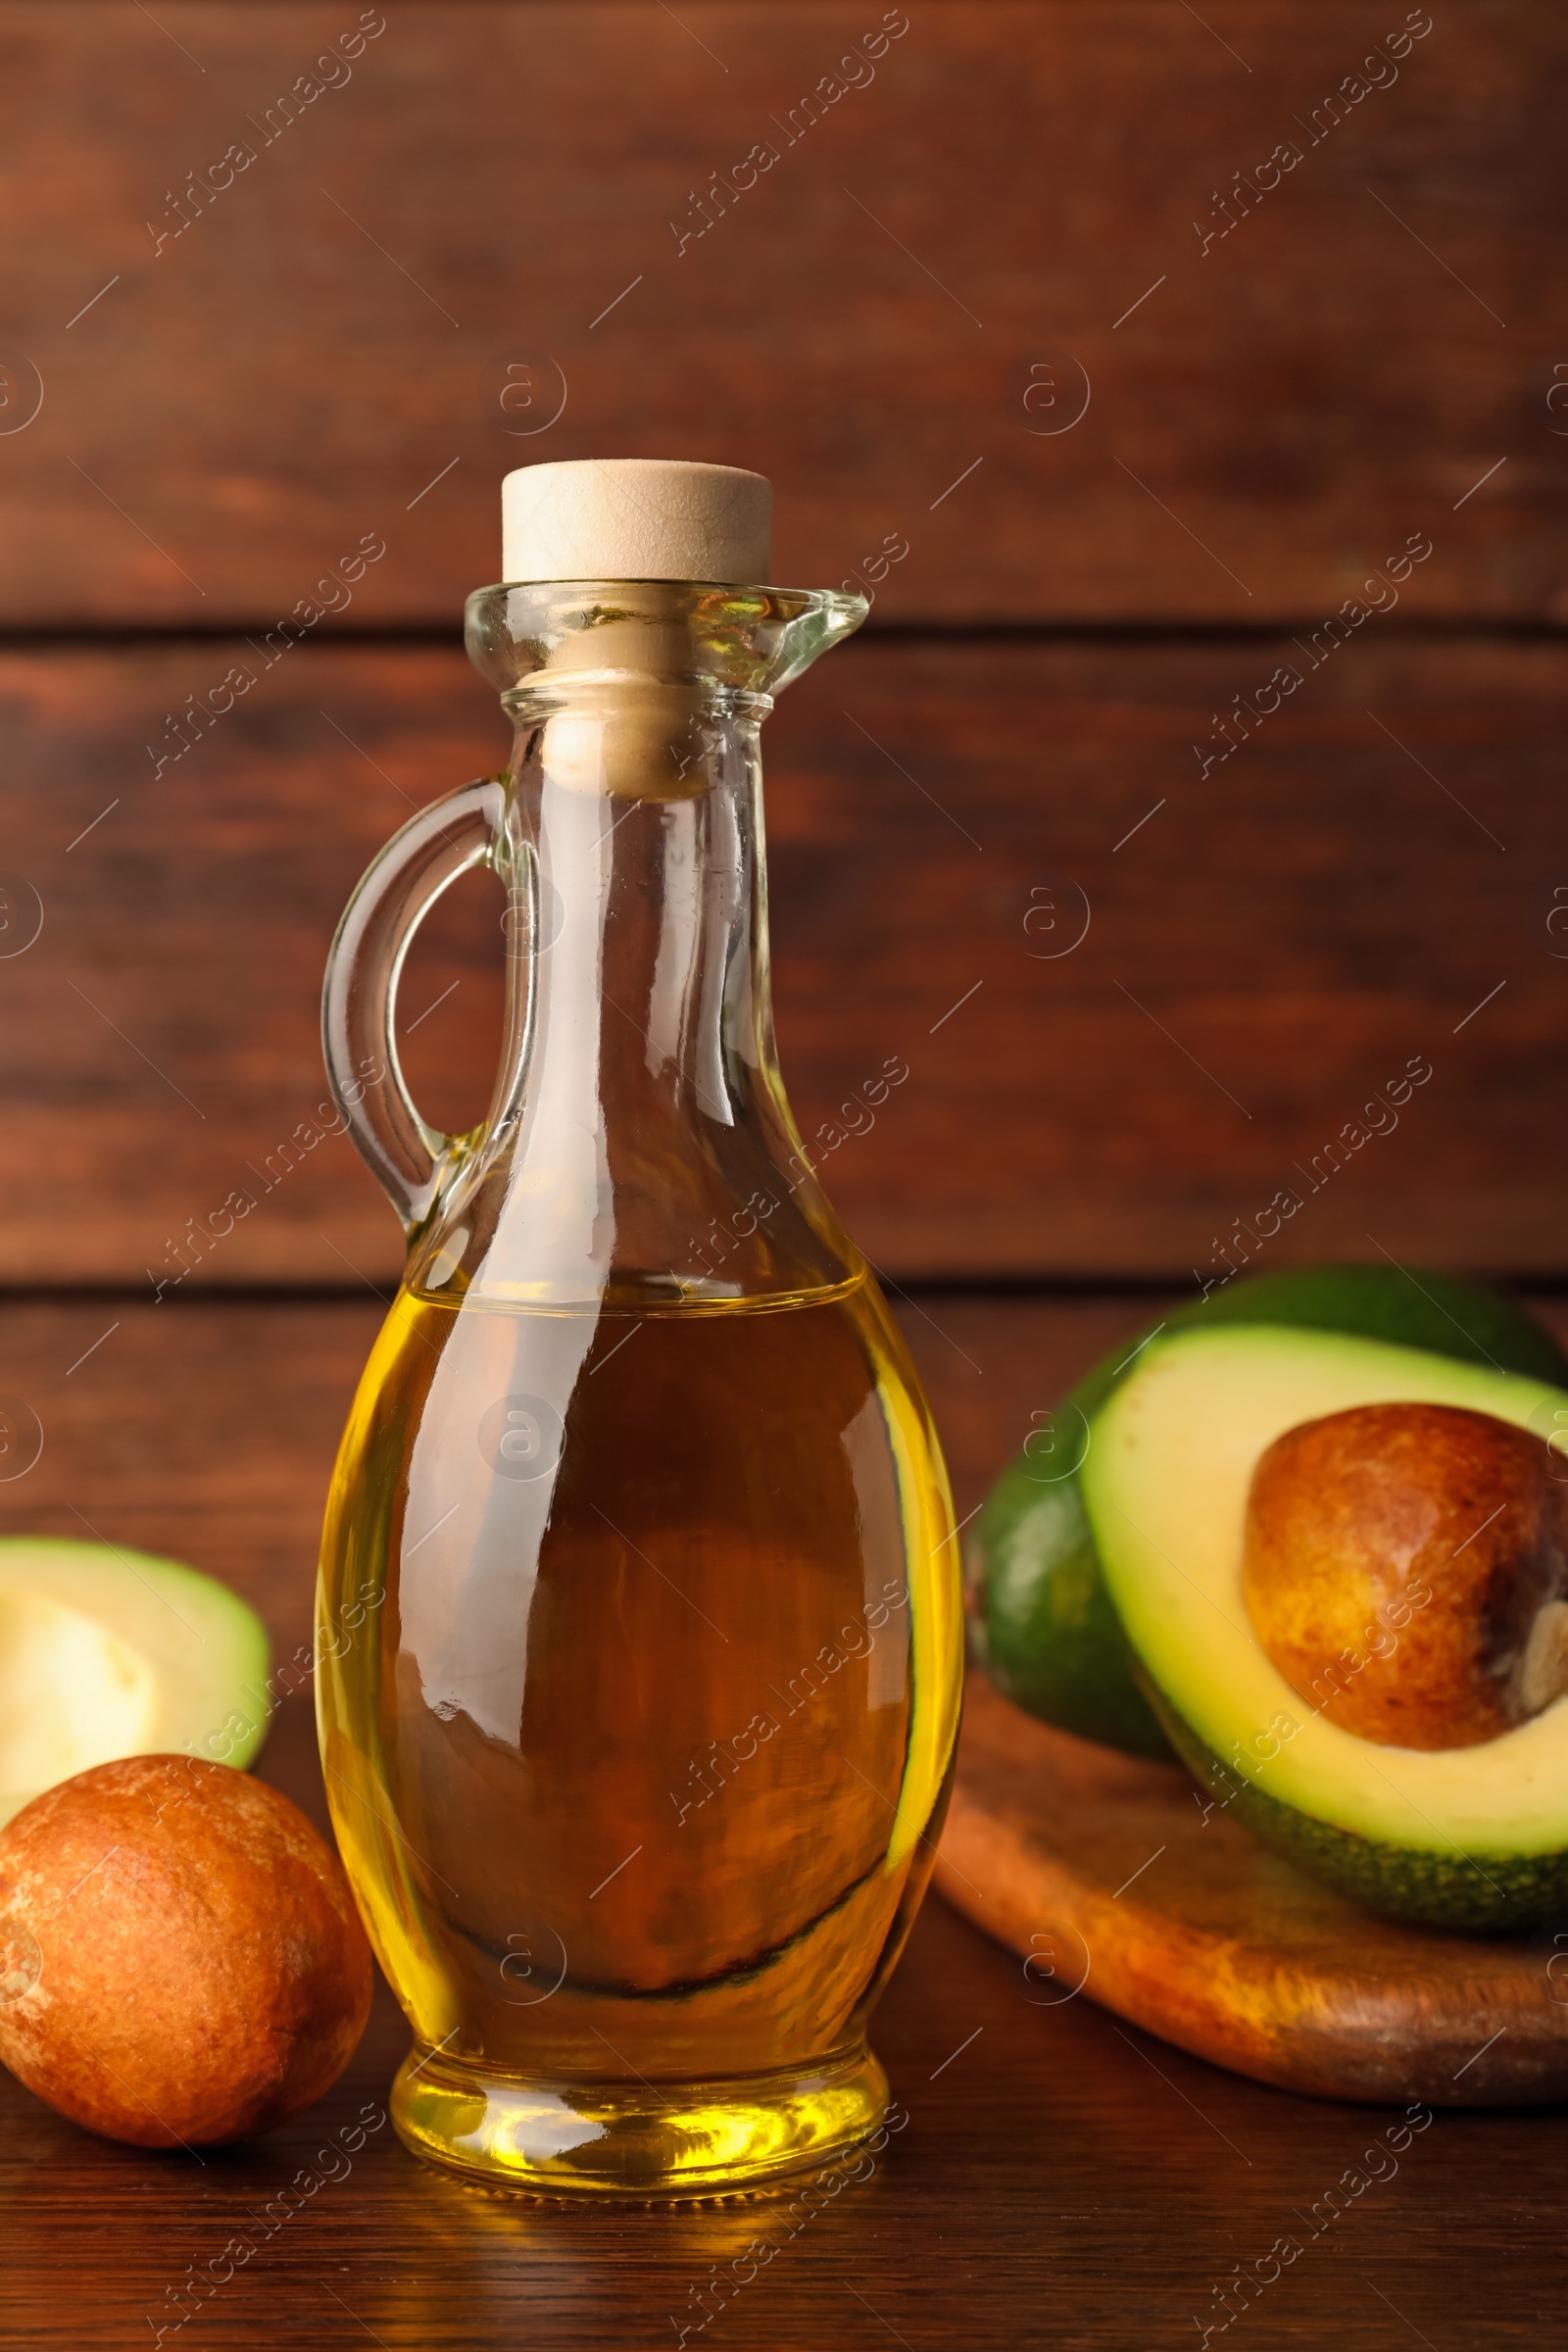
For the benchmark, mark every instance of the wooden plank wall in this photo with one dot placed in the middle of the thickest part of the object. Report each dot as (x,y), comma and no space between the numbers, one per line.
(1150,340)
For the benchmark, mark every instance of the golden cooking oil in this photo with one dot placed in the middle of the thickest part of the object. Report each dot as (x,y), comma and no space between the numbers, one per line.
(642,1716)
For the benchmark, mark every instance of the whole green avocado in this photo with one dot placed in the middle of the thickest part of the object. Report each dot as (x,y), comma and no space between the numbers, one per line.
(1042,1622)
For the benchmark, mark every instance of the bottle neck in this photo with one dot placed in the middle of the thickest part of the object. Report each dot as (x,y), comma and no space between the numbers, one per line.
(651,1156)
(642,813)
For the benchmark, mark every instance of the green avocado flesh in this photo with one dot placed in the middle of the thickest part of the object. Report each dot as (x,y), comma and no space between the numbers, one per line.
(108,1653)
(1470,1838)
(1043,1626)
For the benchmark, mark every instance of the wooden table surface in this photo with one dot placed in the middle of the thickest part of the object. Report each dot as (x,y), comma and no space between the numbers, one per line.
(1062,2181)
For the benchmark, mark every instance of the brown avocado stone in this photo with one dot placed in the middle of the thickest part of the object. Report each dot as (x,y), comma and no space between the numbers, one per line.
(180,1959)
(1406,1567)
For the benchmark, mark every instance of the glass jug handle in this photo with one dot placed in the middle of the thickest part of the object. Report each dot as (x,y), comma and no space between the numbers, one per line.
(413,1163)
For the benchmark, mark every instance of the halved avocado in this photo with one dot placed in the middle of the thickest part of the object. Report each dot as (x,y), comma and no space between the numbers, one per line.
(1472,1837)
(1042,1622)
(108,1653)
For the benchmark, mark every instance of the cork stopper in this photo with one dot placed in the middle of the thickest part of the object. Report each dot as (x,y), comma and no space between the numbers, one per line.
(636,518)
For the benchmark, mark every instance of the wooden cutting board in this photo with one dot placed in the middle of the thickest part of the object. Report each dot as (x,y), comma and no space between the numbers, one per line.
(1100,1871)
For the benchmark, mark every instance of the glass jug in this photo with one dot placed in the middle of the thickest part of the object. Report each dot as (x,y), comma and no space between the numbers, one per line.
(638,1614)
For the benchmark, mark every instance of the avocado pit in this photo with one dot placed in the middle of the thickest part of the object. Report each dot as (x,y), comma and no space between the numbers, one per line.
(1405,1568)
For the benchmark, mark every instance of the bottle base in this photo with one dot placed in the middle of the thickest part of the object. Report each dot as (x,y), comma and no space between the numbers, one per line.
(636,2142)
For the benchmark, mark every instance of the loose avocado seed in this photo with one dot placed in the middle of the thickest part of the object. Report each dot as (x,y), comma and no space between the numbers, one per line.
(1406,1567)
(180,1959)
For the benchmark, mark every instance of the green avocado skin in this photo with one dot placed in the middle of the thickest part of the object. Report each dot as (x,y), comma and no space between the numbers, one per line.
(1042,1622)
(1051,1638)
(1482,1894)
